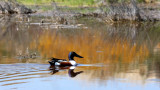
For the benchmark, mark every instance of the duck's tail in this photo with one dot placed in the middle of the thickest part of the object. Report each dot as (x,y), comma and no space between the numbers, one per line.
(51,63)
(54,60)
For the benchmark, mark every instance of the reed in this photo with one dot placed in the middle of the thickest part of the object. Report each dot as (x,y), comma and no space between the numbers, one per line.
(124,11)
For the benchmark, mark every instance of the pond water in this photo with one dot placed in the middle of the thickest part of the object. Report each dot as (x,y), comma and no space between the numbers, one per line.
(116,55)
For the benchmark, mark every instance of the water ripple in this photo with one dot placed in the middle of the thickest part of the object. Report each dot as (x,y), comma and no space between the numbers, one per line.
(11,74)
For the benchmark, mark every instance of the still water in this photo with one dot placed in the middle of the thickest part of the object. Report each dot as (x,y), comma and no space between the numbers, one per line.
(117,56)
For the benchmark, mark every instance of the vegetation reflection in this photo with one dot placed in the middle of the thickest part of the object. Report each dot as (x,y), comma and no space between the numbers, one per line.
(94,46)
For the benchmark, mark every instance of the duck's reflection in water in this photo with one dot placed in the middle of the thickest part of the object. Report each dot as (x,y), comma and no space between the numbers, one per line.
(71,73)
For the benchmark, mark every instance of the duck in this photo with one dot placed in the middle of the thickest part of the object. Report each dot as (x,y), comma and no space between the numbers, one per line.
(64,62)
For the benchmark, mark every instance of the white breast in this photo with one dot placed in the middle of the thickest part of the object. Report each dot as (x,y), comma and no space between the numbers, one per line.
(57,63)
(73,62)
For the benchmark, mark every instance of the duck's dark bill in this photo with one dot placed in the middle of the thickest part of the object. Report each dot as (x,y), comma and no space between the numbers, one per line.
(78,56)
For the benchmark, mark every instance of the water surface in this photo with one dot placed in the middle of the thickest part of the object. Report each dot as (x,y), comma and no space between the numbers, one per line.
(116,55)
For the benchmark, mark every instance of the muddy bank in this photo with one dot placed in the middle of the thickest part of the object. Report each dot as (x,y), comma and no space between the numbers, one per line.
(132,12)
(107,13)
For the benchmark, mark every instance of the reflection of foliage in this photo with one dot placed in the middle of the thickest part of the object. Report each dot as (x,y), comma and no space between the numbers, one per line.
(93,46)
(153,62)
(2,50)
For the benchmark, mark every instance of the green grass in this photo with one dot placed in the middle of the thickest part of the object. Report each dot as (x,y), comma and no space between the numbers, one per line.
(35,2)
(46,8)
(72,3)
(60,2)
(79,10)
(76,2)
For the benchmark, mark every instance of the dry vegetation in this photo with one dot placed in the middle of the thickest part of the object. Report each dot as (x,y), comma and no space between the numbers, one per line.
(133,12)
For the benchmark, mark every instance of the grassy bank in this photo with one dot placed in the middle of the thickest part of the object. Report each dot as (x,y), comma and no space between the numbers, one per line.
(60,2)
(35,2)
(75,2)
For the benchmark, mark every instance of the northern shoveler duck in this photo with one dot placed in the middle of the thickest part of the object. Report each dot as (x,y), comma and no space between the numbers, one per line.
(63,62)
